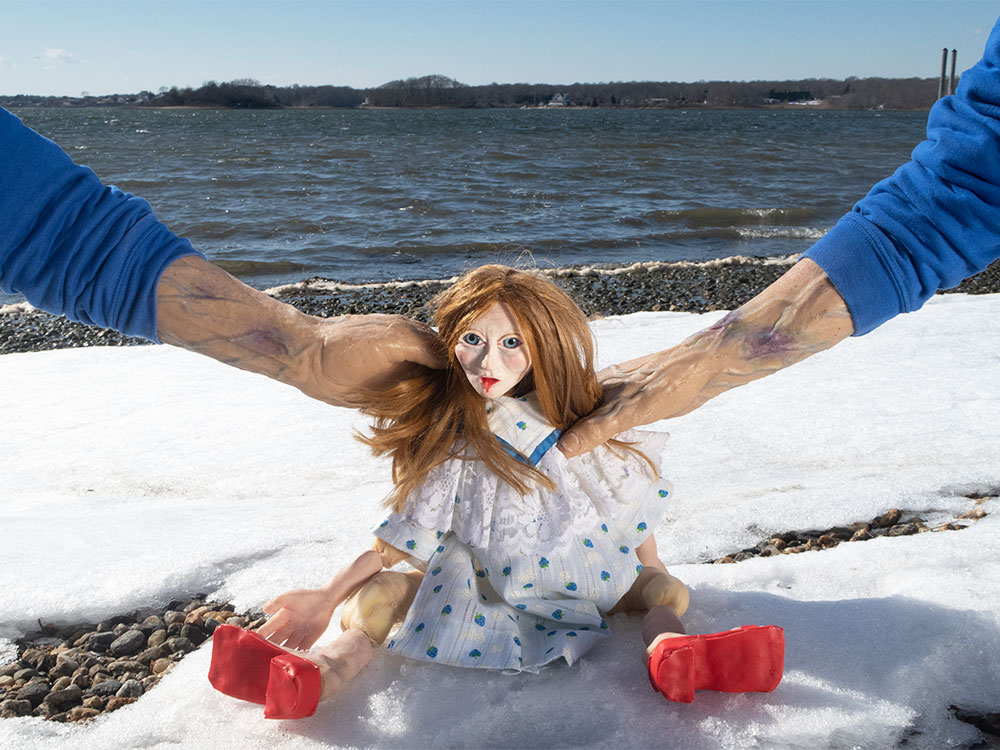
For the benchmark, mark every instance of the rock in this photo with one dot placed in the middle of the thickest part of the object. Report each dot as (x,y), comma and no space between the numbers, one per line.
(25,674)
(112,622)
(12,708)
(197,614)
(82,681)
(974,514)
(194,634)
(128,644)
(171,617)
(116,702)
(100,642)
(63,700)
(120,667)
(861,535)
(179,644)
(157,638)
(826,541)
(61,684)
(63,668)
(130,689)
(152,624)
(769,550)
(9,670)
(105,688)
(161,665)
(120,629)
(903,529)
(148,682)
(34,693)
(725,560)
(40,659)
(83,713)
(152,654)
(887,519)
(6,681)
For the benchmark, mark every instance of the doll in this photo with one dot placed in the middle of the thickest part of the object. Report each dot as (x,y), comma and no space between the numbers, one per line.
(518,552)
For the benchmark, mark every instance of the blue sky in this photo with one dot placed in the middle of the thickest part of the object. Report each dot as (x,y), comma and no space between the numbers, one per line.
(125,46)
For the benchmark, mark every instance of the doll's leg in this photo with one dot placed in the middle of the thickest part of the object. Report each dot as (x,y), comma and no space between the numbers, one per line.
(369,614)
(381,603)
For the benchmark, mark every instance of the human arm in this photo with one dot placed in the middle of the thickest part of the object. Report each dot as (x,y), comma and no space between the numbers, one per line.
(72,245)
(301,616)
(928,226)
(798,315)
(202,308)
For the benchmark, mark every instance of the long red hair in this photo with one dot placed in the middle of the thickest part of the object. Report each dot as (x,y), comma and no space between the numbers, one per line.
(426,420)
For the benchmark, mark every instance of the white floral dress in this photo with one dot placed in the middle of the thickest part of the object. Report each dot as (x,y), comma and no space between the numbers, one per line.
(513,582)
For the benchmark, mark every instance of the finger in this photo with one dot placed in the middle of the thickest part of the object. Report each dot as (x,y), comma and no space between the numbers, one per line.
(417,343)
(270,628)
(588,433)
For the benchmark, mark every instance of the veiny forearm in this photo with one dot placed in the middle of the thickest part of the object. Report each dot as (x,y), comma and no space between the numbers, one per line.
(202,308)
(800,314)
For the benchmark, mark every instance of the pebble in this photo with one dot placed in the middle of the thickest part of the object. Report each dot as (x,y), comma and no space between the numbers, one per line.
(96,669)
(128,643)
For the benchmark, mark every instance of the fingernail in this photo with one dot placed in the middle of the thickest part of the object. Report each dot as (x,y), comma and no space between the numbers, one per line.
(569,443)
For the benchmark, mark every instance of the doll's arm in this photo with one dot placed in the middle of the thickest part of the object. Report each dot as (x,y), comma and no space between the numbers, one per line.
(303,615)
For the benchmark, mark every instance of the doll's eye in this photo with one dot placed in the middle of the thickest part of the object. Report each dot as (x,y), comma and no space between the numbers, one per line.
(511,342)
(472,339)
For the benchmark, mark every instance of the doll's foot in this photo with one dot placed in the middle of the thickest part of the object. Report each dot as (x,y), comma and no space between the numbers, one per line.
(296,684)
(241,663)
(748,659)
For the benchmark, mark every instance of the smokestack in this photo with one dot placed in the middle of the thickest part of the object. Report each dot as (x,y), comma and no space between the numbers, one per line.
(944,70)
(951,82)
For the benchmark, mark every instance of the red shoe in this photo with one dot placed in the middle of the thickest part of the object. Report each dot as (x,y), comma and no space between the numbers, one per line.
(750,659)
(293,688)
(241,663)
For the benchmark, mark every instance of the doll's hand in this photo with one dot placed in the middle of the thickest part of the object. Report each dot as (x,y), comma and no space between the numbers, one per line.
(300,617)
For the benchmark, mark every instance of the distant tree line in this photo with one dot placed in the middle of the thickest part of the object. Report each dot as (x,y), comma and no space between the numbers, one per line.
(441,91)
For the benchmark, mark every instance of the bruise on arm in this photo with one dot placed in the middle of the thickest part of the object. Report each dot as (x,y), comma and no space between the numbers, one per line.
(202,308)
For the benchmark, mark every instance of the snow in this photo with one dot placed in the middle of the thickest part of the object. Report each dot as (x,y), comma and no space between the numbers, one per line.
(134,476)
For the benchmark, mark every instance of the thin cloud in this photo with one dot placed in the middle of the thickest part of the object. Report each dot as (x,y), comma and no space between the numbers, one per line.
(53,56)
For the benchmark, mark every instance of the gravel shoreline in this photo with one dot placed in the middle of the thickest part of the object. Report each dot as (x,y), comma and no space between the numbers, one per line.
(600,291)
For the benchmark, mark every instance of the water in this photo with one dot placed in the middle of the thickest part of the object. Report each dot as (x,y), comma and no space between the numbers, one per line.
(374,195)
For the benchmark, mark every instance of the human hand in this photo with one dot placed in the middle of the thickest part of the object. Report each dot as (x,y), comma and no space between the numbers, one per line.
(300,618)
(799,315)
(640,391)
(361,354)
(342,360)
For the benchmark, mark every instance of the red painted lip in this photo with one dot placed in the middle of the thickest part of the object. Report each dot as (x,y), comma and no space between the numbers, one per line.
(488,383)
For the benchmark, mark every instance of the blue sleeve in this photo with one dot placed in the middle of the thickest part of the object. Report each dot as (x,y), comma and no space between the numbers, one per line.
(936,220)
(73,246)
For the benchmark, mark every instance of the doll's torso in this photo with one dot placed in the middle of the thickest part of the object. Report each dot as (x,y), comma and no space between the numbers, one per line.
(513,582)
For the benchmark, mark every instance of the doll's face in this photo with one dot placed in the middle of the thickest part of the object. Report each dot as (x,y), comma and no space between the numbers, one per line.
(492,352)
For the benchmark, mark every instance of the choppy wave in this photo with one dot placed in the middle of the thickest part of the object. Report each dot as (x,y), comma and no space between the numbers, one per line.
(706,216)
(259,267)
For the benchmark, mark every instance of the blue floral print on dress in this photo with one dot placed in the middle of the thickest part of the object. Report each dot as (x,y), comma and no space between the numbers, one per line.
(587,543)
(571,586)
(479,620)
(605,575)
(432,652)
(543,563)
(446,610)
(475,653)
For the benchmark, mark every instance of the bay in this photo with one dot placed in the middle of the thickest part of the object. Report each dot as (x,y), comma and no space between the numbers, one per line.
(376,195)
